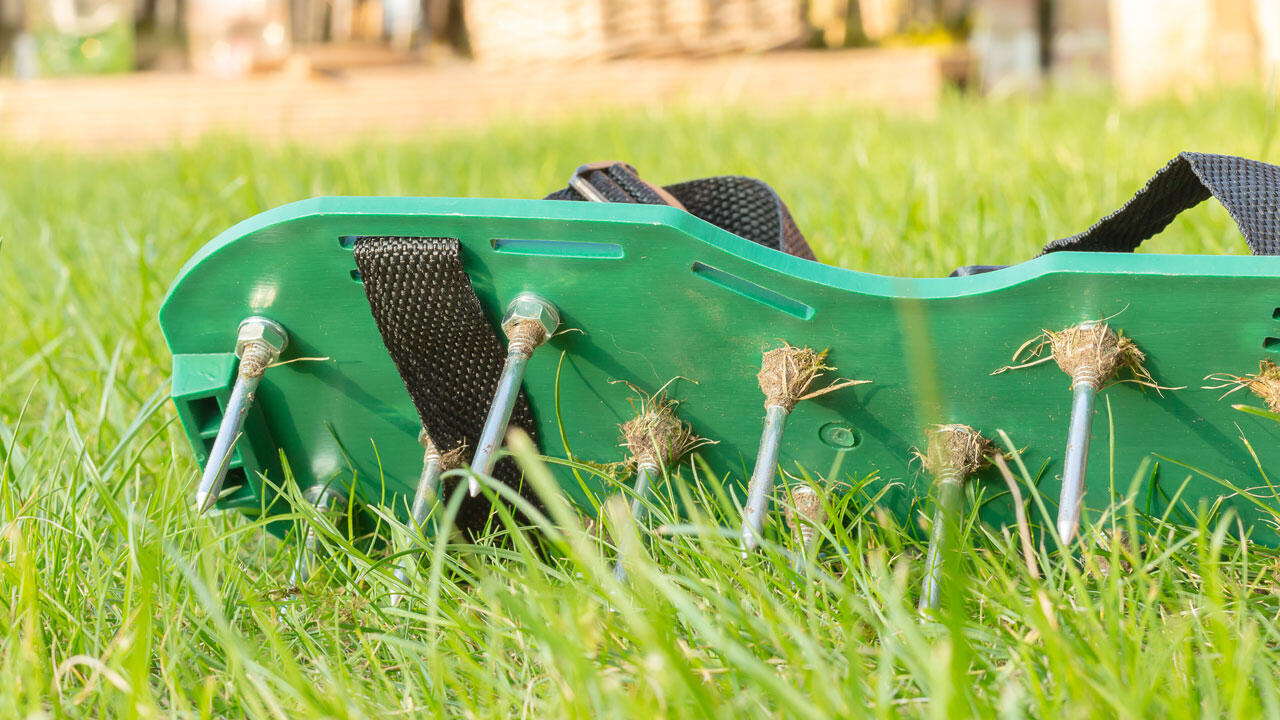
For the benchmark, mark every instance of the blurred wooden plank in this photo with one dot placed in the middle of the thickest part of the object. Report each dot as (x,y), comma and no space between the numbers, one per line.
(125,112)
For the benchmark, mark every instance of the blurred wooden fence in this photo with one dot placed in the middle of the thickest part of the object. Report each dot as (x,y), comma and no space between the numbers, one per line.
(125,112)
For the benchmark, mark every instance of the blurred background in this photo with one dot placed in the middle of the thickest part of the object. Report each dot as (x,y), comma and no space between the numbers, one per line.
(138,72)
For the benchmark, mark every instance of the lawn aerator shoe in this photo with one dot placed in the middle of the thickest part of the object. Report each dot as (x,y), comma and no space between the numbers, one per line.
(323,338)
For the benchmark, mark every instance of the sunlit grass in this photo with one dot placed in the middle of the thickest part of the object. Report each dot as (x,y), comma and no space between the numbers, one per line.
(117,601)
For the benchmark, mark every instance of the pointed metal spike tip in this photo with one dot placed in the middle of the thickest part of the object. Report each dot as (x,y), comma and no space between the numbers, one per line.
(528,323)
(424,494)
(760,490)
(326,500)
(259,342)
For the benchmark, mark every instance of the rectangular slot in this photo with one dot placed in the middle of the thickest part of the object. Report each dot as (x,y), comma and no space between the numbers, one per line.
(207,413)
(752,291)
(236,478)
(1272,344)
(348,242)
(559,248)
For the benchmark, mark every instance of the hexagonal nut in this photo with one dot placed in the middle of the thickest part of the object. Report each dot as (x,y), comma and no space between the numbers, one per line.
(528,306)
(257,329)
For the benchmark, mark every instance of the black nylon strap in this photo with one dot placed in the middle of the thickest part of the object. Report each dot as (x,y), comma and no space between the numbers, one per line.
(448,354)
(744,206)
(617,182)
(1248,189)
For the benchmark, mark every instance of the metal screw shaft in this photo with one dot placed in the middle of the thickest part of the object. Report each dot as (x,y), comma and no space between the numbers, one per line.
(760,490)
(325,500)
(529,322)
(946,513)
(645,475)
(424,494)
(1084,392)
(495,424)
(804,515)
(255,356)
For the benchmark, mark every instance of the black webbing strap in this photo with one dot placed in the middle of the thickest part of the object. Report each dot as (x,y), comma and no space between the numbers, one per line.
(1248,189)
(744,206)
(448,354)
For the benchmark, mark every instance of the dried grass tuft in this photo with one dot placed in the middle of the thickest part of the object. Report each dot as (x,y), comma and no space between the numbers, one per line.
(786,373)
(453,459)
(1265,383)
(956,447)
(1090,353)
(657,436)
(448,460)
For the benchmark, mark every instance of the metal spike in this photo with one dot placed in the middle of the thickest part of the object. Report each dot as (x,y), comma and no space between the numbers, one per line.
(1090,353)
(528,323)
(804,514)
(1083,393)
(424,495)
(259,343)
(954,453)
(326,500)
(948,508)
(760,490)
(645,476)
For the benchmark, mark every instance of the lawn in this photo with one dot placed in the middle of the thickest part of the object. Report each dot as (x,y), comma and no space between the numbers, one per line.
(118,601)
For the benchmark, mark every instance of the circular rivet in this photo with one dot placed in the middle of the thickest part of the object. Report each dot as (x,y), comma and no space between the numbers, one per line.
(840,436)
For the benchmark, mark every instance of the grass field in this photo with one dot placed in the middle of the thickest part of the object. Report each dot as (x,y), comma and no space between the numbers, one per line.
(118,602)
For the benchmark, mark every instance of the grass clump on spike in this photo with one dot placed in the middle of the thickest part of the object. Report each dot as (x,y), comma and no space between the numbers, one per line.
(1265,383)
(454,458)
(787,373)
(1090,352)
(657,436)
(958,448)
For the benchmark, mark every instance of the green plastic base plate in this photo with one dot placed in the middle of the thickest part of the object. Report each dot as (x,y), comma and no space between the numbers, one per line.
(655,293)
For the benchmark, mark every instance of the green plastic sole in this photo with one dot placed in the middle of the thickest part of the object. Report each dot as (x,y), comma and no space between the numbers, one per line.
(656,293)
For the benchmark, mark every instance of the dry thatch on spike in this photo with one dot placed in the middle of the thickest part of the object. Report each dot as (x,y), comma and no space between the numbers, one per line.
(657,436)
(448,460)
(956,447)
(455,458)
(1265,383)
(786,373)
(1089,353)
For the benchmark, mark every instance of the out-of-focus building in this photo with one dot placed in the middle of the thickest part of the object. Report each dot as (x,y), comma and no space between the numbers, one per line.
(513,32)
(218,37)
(236,37)
(1145,47)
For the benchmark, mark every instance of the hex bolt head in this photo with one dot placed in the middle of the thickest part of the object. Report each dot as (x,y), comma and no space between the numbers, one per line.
(527,306)
(260,329)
